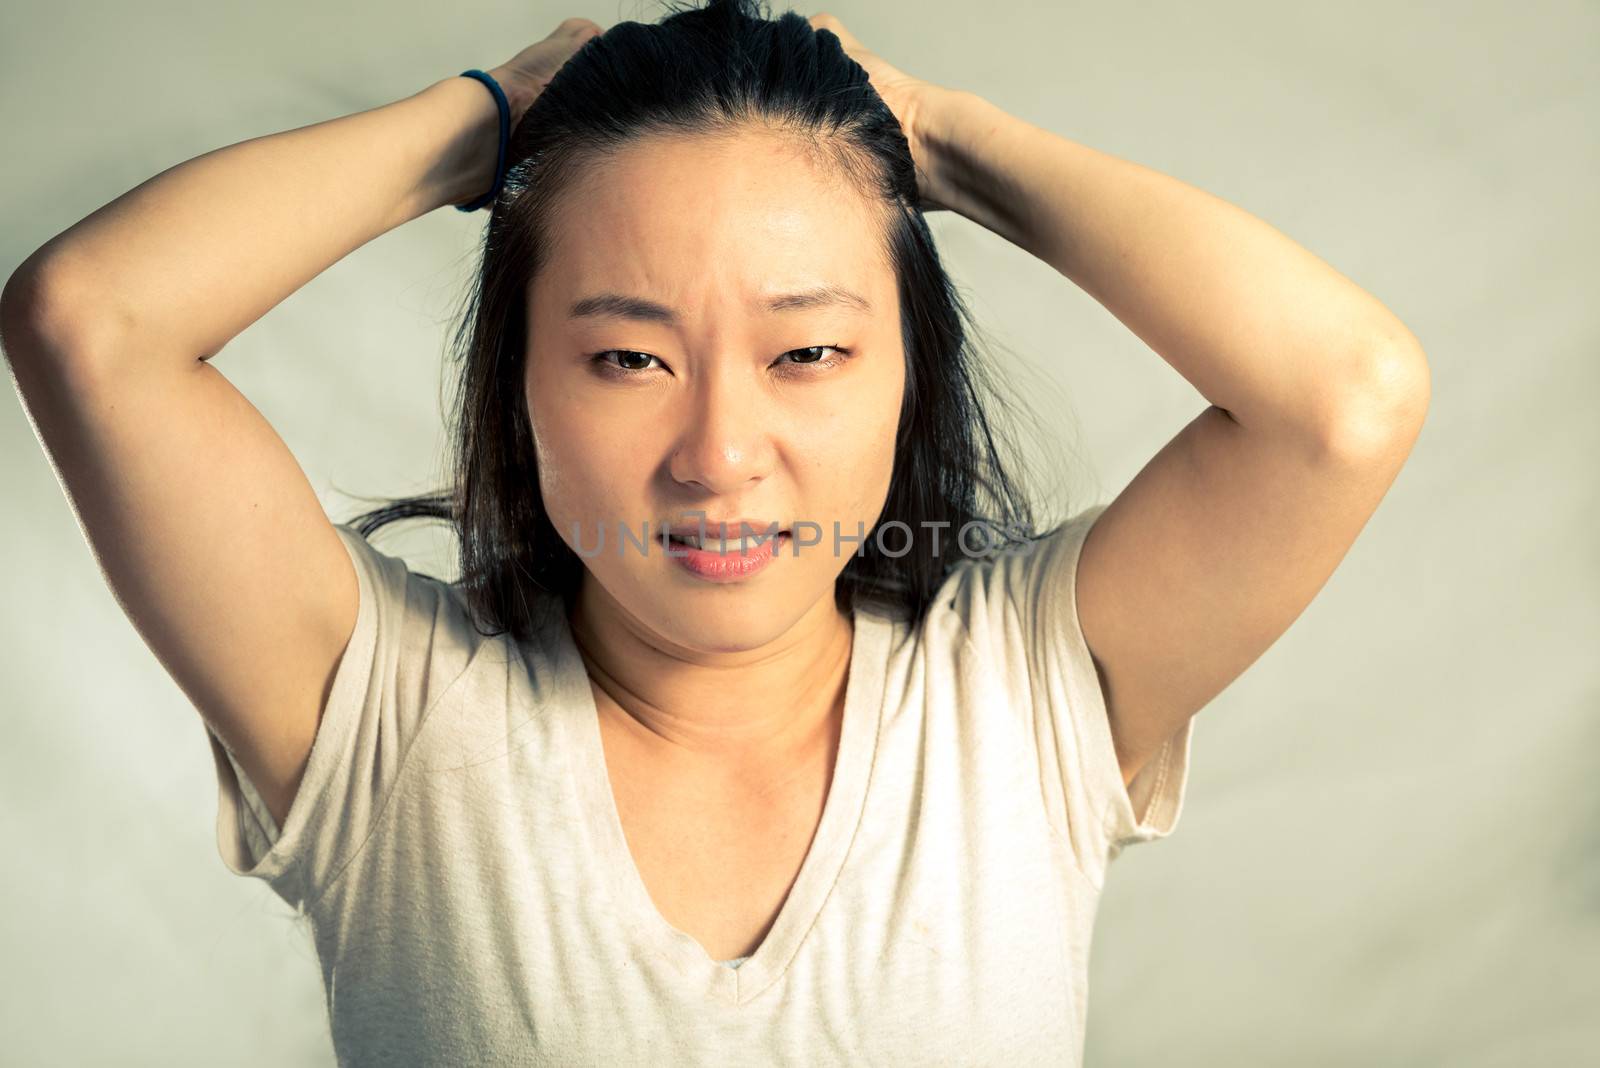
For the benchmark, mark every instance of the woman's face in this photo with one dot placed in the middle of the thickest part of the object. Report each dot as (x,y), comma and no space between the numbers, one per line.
(711,401)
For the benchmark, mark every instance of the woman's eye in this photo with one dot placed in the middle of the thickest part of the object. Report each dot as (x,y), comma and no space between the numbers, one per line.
(817,349)
(630,362)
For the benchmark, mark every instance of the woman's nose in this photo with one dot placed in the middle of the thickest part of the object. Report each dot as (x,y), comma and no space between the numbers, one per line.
(725,441)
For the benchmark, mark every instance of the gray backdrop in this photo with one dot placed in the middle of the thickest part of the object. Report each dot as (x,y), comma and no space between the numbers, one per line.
(1390,852)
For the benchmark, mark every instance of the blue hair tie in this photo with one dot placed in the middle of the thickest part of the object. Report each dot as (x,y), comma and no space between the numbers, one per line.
(505,137)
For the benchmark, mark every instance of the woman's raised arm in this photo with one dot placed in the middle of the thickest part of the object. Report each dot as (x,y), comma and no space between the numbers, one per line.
(206,528)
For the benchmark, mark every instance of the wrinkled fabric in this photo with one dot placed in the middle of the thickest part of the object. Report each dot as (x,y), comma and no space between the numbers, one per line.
(455,845)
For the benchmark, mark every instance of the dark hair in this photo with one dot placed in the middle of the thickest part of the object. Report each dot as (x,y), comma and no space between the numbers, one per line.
(705,69)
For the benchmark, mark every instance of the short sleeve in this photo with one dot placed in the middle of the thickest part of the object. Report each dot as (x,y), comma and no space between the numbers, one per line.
(1080,777)
(412,638)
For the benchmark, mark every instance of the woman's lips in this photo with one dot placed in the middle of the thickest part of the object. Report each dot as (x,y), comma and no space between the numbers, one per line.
(731,566)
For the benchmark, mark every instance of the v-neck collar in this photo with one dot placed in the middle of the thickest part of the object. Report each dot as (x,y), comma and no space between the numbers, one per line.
(579,722)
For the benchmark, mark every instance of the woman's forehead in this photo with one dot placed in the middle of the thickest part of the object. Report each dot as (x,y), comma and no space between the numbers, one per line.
(721,221)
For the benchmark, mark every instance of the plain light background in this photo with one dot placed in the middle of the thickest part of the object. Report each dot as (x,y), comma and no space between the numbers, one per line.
(1390,850)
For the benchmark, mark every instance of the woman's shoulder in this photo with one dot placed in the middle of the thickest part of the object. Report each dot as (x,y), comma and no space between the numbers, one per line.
(429,626)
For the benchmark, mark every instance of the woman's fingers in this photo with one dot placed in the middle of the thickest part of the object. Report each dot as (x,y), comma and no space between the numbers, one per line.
(906,96)
(578,27)
(525,74)
(825,21)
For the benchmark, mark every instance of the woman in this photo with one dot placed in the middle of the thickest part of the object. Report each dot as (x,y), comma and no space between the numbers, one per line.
(845,794)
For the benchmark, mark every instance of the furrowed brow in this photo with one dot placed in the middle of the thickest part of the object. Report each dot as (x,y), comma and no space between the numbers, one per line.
(621,306)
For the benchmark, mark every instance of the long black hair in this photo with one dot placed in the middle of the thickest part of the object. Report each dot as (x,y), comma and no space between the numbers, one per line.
(701,69)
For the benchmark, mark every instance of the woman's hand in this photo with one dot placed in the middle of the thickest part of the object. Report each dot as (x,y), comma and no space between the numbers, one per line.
(524,75)
(909,98)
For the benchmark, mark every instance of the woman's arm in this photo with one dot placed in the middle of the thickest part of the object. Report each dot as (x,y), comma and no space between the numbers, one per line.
(1317,394)
(1261,327)
(209,534)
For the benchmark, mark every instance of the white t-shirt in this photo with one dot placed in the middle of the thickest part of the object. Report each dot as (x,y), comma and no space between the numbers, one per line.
(456,847)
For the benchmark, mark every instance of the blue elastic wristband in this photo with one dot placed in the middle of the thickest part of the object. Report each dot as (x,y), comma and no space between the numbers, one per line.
(505,137)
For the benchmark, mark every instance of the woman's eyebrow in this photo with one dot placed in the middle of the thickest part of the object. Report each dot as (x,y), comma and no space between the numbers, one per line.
(622,306)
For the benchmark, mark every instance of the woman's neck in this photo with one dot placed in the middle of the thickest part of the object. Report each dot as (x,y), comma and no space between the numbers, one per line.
(727,711)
